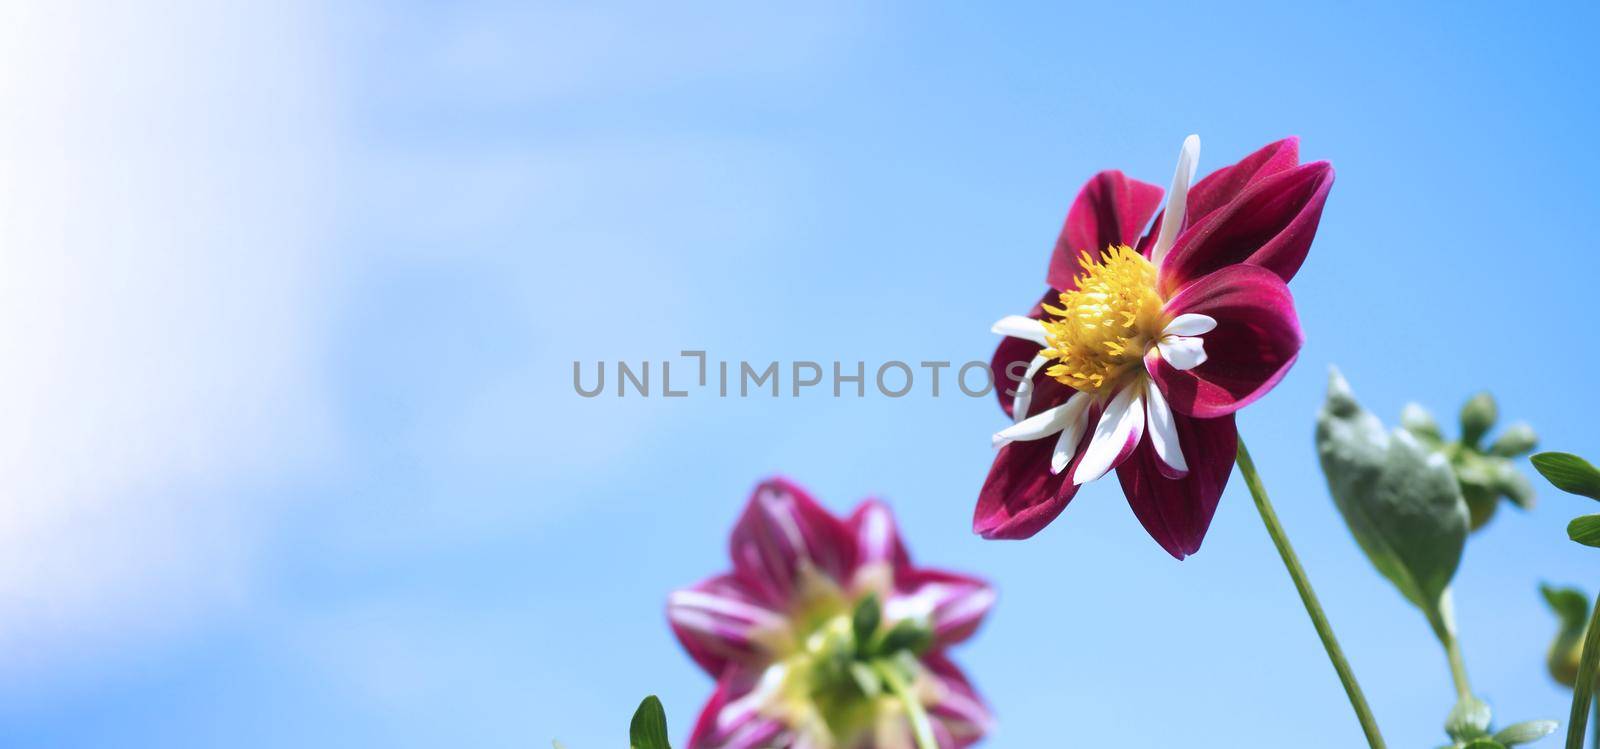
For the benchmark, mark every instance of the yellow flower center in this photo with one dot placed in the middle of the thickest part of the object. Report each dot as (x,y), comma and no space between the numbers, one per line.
(1104,327)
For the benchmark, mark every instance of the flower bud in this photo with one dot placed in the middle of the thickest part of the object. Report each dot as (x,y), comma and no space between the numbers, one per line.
(1571,606)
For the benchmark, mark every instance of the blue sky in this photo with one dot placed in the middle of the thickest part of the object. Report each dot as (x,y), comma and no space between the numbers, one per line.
(302,463)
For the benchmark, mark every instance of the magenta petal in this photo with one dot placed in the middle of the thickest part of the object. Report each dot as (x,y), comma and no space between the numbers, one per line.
(783,530)
(878,538)
(958,708)
(1270,224)
(1111,209)
(1177,512)
(1223,185)
(954,605)
(1255,342)
(1020,496)
(725,723)
(719,621)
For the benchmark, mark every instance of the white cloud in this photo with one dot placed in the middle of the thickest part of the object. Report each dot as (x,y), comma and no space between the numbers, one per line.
(161,190)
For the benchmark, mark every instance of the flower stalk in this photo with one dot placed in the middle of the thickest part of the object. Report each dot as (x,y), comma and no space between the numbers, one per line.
(1308,597)
(1584,688)
(1452,649)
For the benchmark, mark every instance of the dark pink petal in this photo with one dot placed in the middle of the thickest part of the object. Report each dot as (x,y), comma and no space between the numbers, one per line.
(958,708)
(877,538)
(954,605)
(725,723)
(1223,185)
(720,621)
(1111,209)
(782,532)
(1270,224)
(1020,496)
(1255,342)
(1177,512)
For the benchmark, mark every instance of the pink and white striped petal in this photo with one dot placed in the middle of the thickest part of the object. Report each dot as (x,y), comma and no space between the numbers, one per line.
(783,535)
(719,621)
(953,605)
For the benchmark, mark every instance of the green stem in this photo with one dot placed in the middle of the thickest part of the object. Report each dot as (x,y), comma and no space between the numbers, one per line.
(1458,669)
(1452,647)
(1596,728)
(920,727)
(1584,687)
(1308,597)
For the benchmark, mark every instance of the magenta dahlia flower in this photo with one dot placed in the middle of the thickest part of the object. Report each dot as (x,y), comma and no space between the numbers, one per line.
(825,636)
(1144,346)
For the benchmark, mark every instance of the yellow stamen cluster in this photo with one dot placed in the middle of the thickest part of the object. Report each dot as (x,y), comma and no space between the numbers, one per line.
(1103,328)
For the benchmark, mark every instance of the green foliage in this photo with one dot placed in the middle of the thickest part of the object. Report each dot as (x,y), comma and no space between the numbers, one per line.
(1569,473)
(1526,732)
(1399,498)
(1585,530)
(649,727)
(1486,474)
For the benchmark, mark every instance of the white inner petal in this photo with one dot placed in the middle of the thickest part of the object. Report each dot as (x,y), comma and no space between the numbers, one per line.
(1177,199)
(1122,417)
(1163,430)
(1182,352)
(1190,323)
(1024,397)
(1037,426)
(1072,433)
(1019,326)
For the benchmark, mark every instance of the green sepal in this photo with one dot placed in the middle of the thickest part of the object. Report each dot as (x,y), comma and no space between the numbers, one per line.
(1421,424)
(906,635)
(1585,529)
(1399,498)
(1525,732)
(1516,440)
(865,620)
(649,727)
(1569,473)
(1515,486)
(1477,416)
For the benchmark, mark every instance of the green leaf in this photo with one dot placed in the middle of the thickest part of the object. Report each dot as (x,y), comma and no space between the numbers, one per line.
(1525,732)
(1469,719)
(649,727)
(1569,473)
(864,623)
(1515,440)
(1585,530)
(1420,423)
(1477,416)
(1400,499)
(1482,743)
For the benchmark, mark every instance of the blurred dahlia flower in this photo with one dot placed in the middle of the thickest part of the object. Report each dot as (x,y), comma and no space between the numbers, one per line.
(1146,344)
(824,635)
